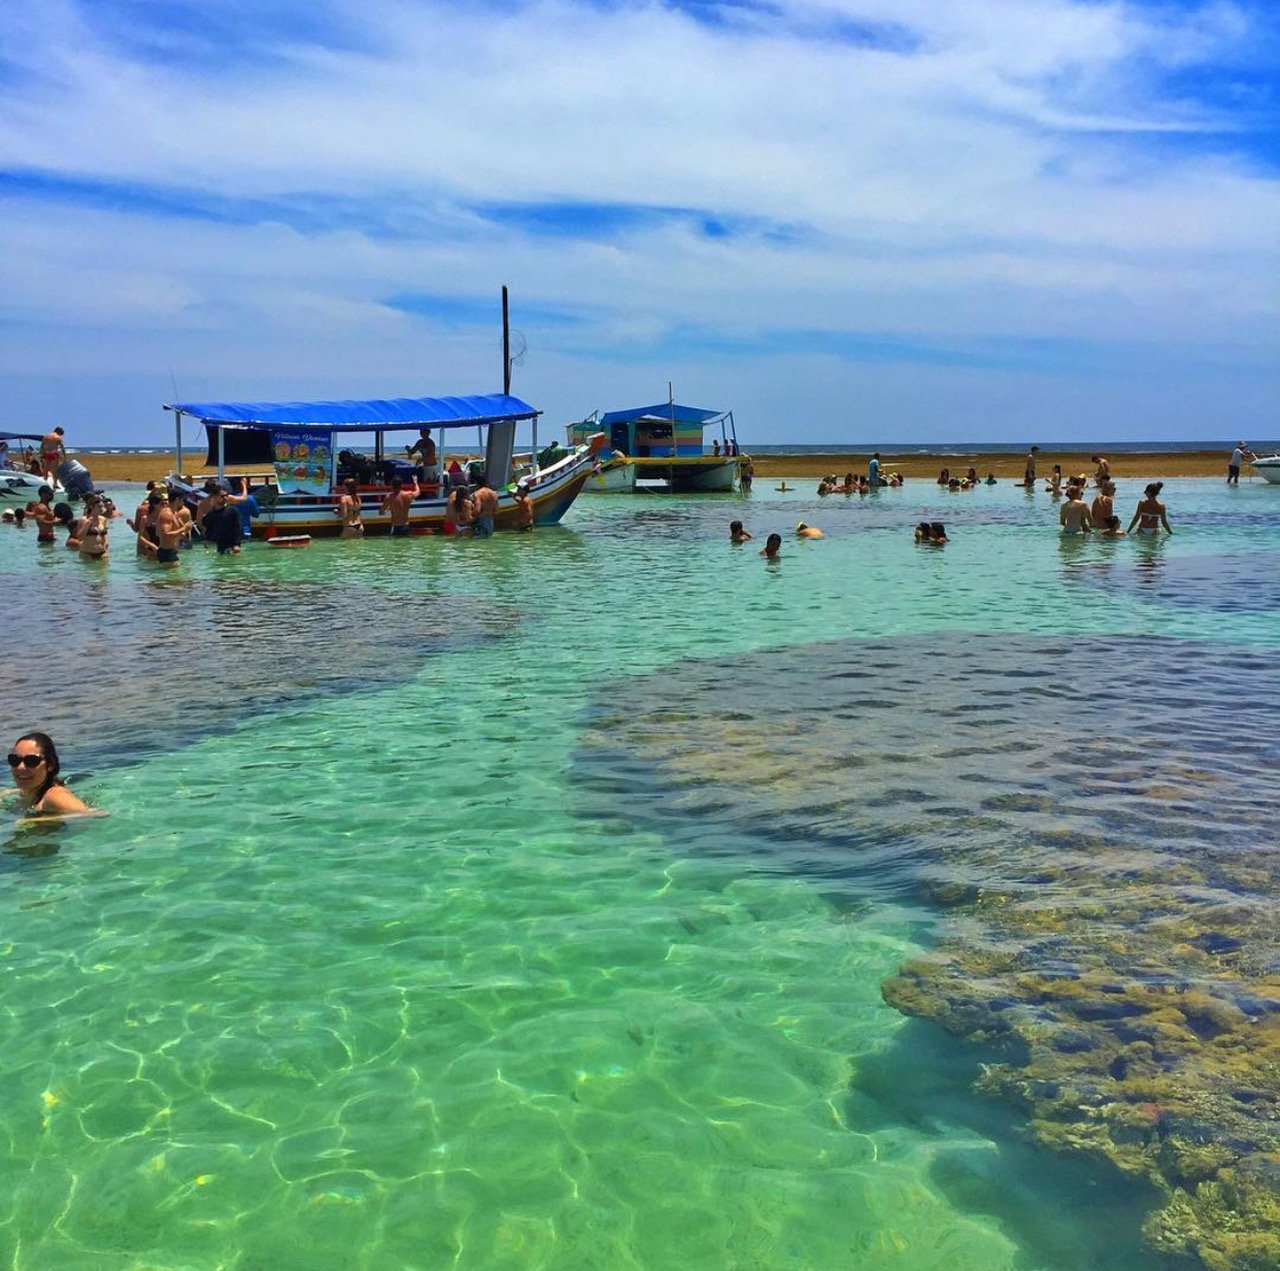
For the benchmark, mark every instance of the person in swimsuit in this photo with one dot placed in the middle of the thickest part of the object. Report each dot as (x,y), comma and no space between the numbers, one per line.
(1055,482)
(772,549)
(1029,476)
(42,512)
(1074,517)
(182,516)
(808,531)
(485,506)
(349,510)
(524,508)
(737,534)
(53,454)
(425,449)
(397,503)
(1150,514)
(1102,476)
(746,474)
(1112,529)
(35,767)
(92,530)
(457,512)
(1101,509)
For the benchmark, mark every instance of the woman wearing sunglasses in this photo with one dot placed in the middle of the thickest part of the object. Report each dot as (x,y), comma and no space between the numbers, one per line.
(35,767)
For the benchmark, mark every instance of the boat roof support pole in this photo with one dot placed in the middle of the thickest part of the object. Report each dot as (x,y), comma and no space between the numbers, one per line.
(222,454)
(534,456)
(177,427)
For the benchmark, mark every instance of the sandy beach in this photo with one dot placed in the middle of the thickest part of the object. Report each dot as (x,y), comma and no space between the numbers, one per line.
(1201,463)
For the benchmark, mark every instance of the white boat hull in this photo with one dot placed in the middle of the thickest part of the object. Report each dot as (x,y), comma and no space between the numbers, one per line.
(616,476)
(22,487)
(1268,469)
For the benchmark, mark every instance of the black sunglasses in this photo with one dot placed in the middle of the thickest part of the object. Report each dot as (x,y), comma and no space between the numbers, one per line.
(25,761)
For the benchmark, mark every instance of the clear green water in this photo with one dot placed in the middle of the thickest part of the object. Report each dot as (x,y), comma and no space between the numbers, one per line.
(354,976)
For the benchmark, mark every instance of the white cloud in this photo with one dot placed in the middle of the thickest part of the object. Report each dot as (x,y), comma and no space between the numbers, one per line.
(1015,176)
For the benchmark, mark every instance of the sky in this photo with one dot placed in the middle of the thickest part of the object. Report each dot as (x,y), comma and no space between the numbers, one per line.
(863,220)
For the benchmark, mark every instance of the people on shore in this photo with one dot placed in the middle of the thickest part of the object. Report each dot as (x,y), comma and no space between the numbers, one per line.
(772,547)
(1074,517)
(397,504)
(35,766)
(737,534)
(1150,515)
(1240,455)
(53,454)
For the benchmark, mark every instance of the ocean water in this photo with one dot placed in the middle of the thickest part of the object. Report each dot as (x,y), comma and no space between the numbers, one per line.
(529,903)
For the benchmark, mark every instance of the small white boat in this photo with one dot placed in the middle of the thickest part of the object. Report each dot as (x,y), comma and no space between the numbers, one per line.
(17,485)
(1268,468)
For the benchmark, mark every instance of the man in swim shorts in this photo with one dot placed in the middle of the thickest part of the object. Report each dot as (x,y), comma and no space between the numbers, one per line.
(42,512)
(398,503)
(485,503)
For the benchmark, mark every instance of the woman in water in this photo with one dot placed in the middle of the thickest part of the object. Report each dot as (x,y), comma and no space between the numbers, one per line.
(92,529)
(772,547)
(944,477)
(1150,515)
(35,767)
(1074,517)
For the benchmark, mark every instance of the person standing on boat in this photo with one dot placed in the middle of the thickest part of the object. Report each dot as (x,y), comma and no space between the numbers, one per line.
(1241,454)
(53,454)
(425,449)
(397,503)
(485,504)
(349,510)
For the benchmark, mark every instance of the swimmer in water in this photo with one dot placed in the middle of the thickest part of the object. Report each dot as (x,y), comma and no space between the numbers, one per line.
(737,534)
(772,547)
(808,531)
(1150,515)
(35,767)
(1112,528)
(1074,517)
(783,488)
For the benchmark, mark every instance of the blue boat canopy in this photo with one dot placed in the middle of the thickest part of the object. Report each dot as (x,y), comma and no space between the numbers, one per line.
(669,411)
(386,414)
(21,436)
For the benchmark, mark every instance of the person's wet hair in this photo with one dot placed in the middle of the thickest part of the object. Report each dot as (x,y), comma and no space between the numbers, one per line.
(939,530)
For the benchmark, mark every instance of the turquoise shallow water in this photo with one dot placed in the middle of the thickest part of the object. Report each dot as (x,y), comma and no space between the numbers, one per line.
(364,970)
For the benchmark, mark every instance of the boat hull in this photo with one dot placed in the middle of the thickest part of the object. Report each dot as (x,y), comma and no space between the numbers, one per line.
(552,494)
(22,487)
(1268,469)
(615,476)
(694,475)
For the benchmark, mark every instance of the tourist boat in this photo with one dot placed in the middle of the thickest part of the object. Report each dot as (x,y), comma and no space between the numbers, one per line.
(17,485)
(662,447)
(301,443)
(1268,468)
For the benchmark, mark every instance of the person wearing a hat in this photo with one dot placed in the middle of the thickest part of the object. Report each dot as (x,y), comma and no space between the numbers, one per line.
(1241,454)
(808,531)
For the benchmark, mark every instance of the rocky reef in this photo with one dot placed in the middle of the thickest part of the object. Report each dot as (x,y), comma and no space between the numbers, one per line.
(1095,823)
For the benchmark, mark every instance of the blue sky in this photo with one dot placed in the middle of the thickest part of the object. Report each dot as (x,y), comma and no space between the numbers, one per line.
(859,220)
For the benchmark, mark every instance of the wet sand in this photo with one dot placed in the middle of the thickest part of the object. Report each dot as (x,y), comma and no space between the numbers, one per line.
(1202,463)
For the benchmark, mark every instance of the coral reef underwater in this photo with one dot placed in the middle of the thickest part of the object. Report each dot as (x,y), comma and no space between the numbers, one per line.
(1094,821)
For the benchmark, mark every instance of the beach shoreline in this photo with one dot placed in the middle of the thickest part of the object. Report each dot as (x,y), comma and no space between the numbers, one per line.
(1006,467)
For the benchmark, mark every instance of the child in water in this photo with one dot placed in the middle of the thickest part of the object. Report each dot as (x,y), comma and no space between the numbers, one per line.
(737,534)
(772,547)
